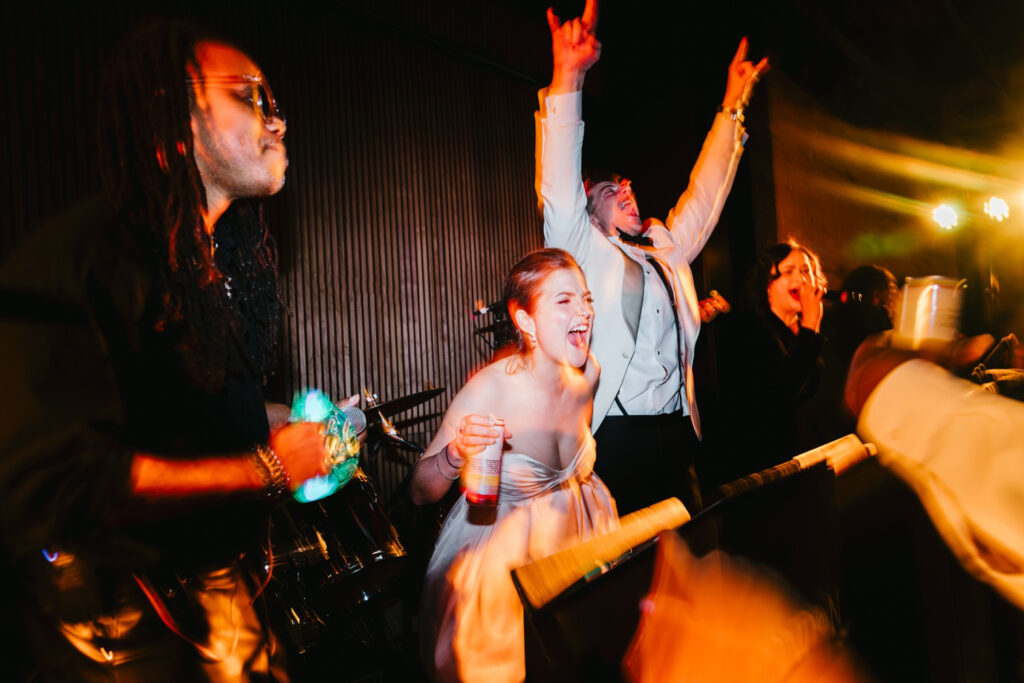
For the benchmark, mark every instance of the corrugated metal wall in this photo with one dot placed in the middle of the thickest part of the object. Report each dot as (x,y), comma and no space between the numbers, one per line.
(410,194)
(410,190)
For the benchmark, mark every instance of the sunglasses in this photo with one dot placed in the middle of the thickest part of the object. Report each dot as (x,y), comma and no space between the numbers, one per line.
(261,97)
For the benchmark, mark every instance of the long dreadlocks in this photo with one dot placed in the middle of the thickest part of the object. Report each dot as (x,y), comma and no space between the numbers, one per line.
(148,169)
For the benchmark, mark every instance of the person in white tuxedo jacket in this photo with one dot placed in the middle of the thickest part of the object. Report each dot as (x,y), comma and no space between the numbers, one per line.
(646,310)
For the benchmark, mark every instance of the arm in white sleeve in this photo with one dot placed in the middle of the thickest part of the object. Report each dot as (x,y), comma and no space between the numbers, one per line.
(559,181)
(696,212)
(960,448)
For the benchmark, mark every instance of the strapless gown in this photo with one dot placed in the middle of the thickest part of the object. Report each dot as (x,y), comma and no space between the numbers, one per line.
(472,619)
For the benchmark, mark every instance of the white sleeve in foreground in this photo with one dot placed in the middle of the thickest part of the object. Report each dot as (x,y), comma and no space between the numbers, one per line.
(961,450)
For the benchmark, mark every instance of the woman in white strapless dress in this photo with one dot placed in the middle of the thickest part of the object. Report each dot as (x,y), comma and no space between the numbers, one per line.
(471,616)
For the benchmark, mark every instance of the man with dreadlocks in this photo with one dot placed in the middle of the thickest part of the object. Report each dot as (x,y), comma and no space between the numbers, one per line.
(138,462)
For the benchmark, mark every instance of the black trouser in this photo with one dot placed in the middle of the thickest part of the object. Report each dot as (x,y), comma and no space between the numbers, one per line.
(643,459)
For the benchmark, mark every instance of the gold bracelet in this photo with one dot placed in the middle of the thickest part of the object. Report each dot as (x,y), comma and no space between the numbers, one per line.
(272,473)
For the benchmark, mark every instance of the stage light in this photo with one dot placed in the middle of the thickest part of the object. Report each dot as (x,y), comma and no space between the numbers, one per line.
(945,216)
(997,209)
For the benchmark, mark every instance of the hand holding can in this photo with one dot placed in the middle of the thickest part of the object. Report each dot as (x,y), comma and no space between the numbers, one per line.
(481,477)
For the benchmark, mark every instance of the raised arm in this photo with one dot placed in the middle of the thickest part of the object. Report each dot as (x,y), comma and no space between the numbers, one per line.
(574,50)
(696,212)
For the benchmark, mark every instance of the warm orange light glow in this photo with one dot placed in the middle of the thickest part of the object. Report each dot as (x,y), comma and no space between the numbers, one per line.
(899,156)
(718,619)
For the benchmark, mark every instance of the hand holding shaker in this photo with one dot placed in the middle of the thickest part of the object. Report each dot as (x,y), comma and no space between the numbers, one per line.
(481,477)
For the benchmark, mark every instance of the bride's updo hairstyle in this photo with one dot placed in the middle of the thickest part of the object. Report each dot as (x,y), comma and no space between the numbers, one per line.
(522,285)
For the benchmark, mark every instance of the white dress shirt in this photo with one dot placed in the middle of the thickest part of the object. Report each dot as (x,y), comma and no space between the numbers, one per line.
(653,382)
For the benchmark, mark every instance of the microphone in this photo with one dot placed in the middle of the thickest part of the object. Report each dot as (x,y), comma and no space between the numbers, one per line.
(355,418)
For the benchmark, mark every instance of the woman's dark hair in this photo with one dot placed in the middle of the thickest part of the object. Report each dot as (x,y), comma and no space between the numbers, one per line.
(872,283)
(522,284)
(149,174)
(766,271)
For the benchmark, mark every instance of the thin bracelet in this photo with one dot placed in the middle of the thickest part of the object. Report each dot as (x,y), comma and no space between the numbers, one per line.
(449,460)
(272,473)
(437,465)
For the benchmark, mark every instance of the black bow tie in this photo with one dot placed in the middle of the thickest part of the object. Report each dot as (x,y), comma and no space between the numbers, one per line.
(635,240)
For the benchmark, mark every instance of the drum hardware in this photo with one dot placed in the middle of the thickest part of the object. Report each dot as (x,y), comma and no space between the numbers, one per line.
(337,561)
(498,333)
(397,405)
(341,542)
(384,430)
(492,328)
(396,440)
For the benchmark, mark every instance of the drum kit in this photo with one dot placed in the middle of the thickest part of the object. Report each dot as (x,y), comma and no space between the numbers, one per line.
(330,562)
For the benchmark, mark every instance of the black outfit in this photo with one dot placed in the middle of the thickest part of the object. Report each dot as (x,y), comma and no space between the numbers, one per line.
(650,458)
(90,380)
(824,417)
(644,459)
(766,372)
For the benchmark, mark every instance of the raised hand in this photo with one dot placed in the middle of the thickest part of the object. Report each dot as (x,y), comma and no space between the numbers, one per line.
(742,76)
(712,306)
(811,294)
(876,357)
(574,47)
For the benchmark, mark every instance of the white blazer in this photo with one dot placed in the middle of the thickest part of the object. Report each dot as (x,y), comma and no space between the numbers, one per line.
(689,224)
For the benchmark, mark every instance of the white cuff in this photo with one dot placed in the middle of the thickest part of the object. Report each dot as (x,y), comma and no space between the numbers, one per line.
(564,109)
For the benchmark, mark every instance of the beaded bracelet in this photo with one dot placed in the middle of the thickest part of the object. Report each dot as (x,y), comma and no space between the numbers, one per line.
(272,473)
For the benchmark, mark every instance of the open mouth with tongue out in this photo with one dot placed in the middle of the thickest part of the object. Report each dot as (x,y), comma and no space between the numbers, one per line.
(579,336)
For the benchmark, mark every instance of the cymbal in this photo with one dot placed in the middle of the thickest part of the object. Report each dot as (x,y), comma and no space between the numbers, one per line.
(400,443)
(400,405)
(410,421)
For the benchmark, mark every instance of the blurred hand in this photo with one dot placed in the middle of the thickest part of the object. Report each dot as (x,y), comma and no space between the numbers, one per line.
(740,72)
(712,306)
(876,358)
(277,415)
(300,448)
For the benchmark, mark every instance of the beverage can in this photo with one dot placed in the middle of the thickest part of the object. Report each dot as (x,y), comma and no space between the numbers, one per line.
(929,313)
(482,474)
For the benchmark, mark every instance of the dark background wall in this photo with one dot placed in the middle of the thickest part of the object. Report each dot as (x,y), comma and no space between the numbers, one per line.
(410,190)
